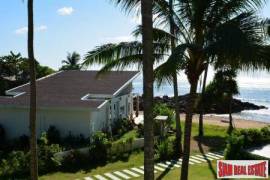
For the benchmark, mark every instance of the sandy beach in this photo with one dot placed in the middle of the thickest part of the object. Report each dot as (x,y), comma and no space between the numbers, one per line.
(219,121)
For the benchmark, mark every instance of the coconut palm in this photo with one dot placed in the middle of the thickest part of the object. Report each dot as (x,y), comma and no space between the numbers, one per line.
(129,53)
(72,62)
(215,31)
(175,85)
(224,30)
(32,113)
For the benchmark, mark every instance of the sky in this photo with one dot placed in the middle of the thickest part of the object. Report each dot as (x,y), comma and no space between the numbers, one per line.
(63,26)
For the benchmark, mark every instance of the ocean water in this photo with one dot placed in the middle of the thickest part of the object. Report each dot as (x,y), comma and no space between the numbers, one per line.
(252,89)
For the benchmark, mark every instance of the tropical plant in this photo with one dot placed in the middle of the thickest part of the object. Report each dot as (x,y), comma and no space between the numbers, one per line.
(14,71)
(219,32)
(225,32)
(32,113)
(72,62)
(223,88)
(99,146)
(164,150)
(127,54)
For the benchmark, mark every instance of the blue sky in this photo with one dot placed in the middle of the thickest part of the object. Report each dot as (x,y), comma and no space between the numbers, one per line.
(64,26)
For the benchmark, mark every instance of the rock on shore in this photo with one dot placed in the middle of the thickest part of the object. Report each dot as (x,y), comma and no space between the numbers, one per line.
(215,108)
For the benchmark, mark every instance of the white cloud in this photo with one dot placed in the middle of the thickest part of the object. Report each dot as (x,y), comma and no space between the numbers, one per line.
(24,30)
(118,39)
(42,28)
(65,11)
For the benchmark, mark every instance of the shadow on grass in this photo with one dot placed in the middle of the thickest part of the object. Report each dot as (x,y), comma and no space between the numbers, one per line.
(88,166)
(214,143)
(164,173)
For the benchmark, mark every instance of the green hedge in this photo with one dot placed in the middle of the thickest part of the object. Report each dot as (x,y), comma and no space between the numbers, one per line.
(240,140)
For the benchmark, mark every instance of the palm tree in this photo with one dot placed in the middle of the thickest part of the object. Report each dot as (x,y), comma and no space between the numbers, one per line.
(148,91)
(222,89)
(32,113)
(72,62)
(175,86)
(130,53)
(228,30)
(201,107)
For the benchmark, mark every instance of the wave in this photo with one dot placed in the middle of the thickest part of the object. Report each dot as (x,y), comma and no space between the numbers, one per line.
(253,100)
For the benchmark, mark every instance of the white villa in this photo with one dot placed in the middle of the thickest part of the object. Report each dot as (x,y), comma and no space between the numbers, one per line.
(76,102)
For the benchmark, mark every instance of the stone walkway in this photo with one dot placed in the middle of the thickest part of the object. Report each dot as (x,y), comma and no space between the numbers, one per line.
(159,167)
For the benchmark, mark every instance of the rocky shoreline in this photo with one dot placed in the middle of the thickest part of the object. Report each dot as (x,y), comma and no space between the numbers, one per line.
(215,108)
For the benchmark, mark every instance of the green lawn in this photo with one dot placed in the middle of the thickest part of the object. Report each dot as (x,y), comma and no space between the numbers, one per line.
(214,140)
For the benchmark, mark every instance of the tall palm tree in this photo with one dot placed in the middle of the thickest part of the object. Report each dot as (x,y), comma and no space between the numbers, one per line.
(222,89)
(72,62)
(201,107)
(32,113)
(129,53)
(175,86)
(148,91)
(226,29)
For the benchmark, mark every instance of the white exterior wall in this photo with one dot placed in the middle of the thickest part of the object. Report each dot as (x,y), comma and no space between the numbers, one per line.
(121,107)
(98,119)
(77,121)
(16,121)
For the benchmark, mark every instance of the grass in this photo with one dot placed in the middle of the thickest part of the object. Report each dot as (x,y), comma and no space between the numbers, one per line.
(214,140)
(129,135)
(133,160)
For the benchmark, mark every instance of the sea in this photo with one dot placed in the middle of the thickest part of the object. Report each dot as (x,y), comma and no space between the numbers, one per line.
(254,87)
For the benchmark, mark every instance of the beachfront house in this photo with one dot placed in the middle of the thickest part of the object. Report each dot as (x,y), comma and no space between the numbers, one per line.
(76,102)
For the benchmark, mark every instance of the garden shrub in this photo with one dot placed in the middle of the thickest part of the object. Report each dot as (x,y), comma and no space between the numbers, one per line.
(121,126)
(16,164)
(241,140)
(164,149)
(98,147)
(53,135)
(234,147)
(73,160)
(163,110)
(43,140)
(47,162)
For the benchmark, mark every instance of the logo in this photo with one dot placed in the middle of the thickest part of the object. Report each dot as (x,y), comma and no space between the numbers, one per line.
(242,169)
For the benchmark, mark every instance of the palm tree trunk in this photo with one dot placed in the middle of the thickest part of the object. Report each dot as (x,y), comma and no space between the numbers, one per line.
(32,113)
(230,117)
(201,132)
(175,88)
(177,118)
(148,73)
(188,125)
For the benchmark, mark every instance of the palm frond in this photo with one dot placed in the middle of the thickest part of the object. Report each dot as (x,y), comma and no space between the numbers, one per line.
(159,35)
(239,42)
(165,16)
(164,73)
(108,52)
(128,5)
